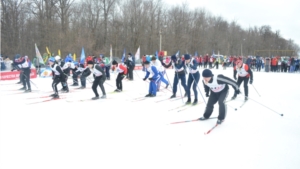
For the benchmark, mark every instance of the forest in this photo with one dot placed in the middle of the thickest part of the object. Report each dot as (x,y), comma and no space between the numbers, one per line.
(69,25)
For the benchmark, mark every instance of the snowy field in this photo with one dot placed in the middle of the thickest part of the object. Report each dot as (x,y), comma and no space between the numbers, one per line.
(123,132)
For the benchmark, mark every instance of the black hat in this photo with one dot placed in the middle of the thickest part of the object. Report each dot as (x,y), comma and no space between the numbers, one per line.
(114,62)
(207,73)
(129,53)
(187,57)
(90,62)
(153,58)
(146,62)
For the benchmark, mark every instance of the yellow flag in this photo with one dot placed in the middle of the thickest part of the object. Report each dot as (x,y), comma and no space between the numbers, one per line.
(59,53)
(74,57)
(48,51)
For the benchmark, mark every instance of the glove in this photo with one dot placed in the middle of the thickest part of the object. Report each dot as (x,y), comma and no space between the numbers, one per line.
(150,78)
(251,81)
(237,91)
(234,78)
(207,95)
(144,79)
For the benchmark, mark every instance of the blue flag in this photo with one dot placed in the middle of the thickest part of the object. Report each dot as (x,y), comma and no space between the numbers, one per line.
(124,54)
(196,53)
(82,57)
(156,54)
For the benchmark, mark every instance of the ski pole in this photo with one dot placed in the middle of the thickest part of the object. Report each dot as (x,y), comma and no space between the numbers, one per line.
(267,107)
(198,88)
(168,79)
(256,90)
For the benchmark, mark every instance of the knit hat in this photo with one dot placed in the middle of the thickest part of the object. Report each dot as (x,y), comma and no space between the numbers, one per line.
(239,61)
(153,58)
(90,62)
(207,73)
(146,62)
(51,59)
(173,57)
(187,57)
(114,62)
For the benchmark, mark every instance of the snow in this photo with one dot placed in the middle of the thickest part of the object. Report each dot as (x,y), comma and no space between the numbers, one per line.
(120,132)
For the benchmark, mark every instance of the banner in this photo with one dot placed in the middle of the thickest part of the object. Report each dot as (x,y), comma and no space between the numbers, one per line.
(45,72)
(137,54)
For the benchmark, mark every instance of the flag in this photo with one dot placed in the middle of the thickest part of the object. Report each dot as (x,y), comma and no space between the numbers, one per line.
(177,54)
(196,53)
(110,53)
(48,51)
(156,54)
(74,56)
(38,55)
(49,54)
(58,53)
(137,54)
(124,54)
(82,57)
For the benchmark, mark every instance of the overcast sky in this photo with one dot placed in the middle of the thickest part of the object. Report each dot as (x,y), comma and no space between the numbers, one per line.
(283,15)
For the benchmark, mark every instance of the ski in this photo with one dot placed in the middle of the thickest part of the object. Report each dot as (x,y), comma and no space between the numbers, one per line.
(43,101)
(178,107)
(20,93)
(187,121)
(143,98)
(166,99)
(114,92)
(188,107)
(139,99)
(210,129)
(84,100)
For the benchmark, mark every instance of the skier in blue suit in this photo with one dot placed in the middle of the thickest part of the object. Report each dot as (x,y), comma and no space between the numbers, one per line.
(156,75)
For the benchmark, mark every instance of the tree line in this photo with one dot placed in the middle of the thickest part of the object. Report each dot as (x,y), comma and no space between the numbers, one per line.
(69,25)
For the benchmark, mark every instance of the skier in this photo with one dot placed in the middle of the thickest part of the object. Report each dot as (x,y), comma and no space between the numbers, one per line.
(179,74)
(84,72)
(130,63)
(161,70)
(100,78)
(194,76)
(65,66)
(17,67)
(218,87)
(74,68)
(106,62)
(122,71)
(25,66)
(244,73)
(58,76)
(150,69)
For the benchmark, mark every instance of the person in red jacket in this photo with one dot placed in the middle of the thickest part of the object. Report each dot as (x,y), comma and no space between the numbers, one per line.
(244,73)
(274,64)
(122,71)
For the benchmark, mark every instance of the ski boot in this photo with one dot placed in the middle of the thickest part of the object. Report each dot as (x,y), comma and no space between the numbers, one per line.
(173,96)
(220,122)
(95,98)
(188,101)
(195,102)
